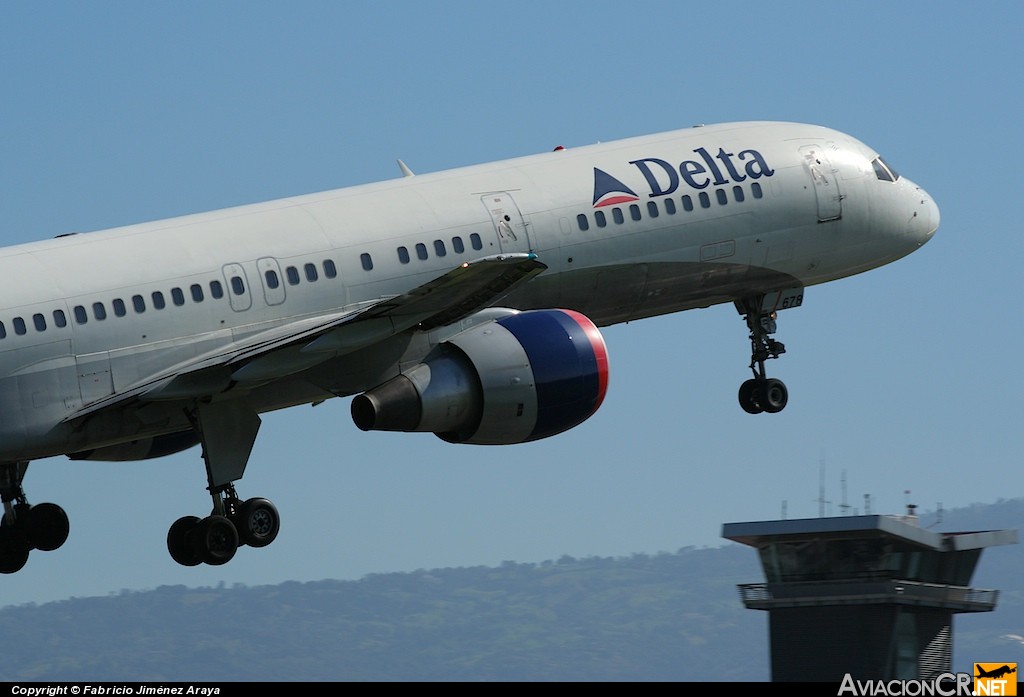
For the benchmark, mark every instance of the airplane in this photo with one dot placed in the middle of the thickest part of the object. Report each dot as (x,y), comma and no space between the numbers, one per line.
(996,672)
(465,303)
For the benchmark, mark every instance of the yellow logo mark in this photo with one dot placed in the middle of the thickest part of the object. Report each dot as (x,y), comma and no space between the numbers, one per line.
(995,679)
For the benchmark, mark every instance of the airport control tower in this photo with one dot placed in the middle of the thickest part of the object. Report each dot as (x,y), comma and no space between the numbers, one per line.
(872,596)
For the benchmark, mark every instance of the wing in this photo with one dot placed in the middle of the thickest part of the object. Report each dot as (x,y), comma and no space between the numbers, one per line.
(300,344)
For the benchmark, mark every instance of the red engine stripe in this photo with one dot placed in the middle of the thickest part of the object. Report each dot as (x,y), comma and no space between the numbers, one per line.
(600,351)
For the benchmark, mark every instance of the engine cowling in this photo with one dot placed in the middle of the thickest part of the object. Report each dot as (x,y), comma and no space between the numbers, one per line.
(516,379)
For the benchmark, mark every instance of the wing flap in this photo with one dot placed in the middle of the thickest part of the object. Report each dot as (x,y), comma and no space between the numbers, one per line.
(460,292)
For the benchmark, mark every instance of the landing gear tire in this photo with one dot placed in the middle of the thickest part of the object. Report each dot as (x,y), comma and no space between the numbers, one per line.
(763,395)
(177,541)
(46,526)
(750,397)
(773,395)
(257,522)
(214,540)
(14,549)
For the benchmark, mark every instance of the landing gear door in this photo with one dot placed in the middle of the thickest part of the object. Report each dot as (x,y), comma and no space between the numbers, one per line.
(826,182)
(509,226)
(782,300)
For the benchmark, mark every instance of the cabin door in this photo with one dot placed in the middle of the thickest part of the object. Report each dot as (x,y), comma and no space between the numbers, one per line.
(825,179)
(508,222)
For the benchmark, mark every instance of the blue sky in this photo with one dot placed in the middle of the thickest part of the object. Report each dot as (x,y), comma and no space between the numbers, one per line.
(904,378)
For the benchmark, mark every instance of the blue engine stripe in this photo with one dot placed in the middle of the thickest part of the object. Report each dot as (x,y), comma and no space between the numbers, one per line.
(565,368)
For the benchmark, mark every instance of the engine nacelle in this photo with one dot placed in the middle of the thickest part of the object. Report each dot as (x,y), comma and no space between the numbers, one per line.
(516,379)
(141,449)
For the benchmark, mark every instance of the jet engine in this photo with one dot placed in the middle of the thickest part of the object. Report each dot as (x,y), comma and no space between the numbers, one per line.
(520,378)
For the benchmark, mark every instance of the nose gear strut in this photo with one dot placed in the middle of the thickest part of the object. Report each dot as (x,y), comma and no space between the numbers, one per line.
(761,393)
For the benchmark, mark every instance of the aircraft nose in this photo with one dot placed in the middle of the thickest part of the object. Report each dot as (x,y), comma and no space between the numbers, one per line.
(924,219)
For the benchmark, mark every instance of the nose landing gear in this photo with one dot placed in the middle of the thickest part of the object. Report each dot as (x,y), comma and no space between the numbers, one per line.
(761,393)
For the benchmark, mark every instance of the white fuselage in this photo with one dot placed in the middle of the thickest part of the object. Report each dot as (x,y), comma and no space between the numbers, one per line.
(703,216)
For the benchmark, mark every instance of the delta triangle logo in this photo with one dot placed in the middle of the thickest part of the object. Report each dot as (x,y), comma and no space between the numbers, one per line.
(609,191)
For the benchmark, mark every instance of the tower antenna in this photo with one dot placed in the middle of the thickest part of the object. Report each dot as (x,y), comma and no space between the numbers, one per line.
(844,508)
(821,489)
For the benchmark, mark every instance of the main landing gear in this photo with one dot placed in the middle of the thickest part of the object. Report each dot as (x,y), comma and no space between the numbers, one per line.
(227,431)
(761,393)
(215,539)
(24,528)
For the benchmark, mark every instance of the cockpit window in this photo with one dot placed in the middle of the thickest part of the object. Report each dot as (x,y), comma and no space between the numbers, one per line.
(884,171)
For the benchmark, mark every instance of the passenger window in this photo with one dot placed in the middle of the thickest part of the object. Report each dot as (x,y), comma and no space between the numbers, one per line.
(272,279)
(634,211)
(293,275)
(705,200)
(197,290)
(139,303)
(403,255)
(330,270)
(670,206)
(737,193)
(652,209)
(439,248)
(722,198)
(582,222)
(216,289)
(158,300)
(177,296)
(311,274)
(366,260)
(19,326)
(600,219)
(755,189)
(39,321)
(80,315)
(617,216)
(687,203)
(457,245)
(59,319)
(99,311)
(237,286)
(475,240)
(119,308)
(421,251)
(3,331)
